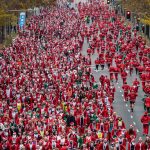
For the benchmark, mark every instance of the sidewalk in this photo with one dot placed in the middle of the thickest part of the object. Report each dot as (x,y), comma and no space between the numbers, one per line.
(132,25)
(139,33)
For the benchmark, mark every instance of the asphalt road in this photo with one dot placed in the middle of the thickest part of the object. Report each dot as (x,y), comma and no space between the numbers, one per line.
(120,107)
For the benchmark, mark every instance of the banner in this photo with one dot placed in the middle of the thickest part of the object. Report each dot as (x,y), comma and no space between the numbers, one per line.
(22,19)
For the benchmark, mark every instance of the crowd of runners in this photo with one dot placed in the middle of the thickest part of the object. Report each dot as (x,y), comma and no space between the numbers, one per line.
(49,99)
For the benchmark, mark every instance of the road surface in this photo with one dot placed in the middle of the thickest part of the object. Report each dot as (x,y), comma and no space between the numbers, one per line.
(120,107)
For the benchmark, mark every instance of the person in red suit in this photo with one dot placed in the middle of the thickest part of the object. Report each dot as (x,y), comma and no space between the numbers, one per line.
(102,63)
(147,103)
(30,145)
(145,121)
(97,64)
(143,79)
(126,88)
(131,145)
(114,134)
(116,71)
(5,145)
(99,144)
(119,146)
(140,145)
(102,79)
(14,146)
(130,134)
(14,139)
(120,123)
(89,51)
(132,96)
(65,147)
(124,76)
(111,71)
(136,84)
(105,144)
(122,140)
(147,143)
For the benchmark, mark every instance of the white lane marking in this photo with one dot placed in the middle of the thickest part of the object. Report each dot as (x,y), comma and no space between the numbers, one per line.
(128,110)
(120,91)
(122,95)
(134,123)
(131,116)
(137,130)
(126,105)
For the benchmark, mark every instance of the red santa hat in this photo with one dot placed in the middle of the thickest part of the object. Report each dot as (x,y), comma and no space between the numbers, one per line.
(72,123)
(131,126)
(146,113)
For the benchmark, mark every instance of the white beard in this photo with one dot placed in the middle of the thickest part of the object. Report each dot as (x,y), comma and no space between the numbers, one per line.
(18,96)
(30,145)
(6,133)
(74,103)
(53,144)
(13,114)
(21,146)
(8,93)
(36,135)
(58,138)
(62,141)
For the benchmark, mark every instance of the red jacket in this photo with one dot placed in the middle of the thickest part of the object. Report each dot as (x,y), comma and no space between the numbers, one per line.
(14,147)
(129,146)
(140,146)
(106,147)
(147,102)
(130,136)
(122,147)
(126,87)
(132,96)
(101,61)
(124,74)
(33,147)
(97,62)
(145,119)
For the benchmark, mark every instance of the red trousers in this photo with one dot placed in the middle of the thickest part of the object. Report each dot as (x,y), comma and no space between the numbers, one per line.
(124,80)
(126,95)
(145,129)
(143,84)
(116,76)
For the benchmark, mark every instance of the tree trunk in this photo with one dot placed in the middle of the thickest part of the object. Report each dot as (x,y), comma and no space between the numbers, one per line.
(1,35)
